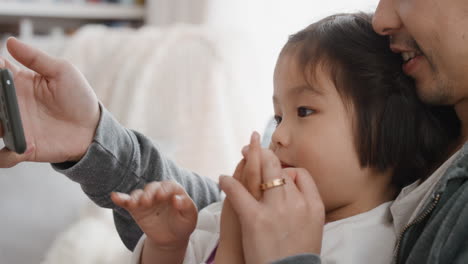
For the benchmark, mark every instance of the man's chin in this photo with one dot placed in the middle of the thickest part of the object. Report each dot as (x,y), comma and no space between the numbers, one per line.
(431,92)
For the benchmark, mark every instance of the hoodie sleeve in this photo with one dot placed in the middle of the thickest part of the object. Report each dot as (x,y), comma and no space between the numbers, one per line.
(123,160)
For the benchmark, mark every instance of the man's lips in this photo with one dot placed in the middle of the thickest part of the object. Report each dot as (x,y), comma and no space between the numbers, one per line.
(285,165)
(412,58)
(411,66)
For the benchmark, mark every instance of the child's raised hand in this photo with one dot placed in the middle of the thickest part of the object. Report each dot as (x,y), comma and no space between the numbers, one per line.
(283,212)
(163,210)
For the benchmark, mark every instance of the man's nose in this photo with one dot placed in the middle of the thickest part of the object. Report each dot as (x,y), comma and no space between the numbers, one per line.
(386,20)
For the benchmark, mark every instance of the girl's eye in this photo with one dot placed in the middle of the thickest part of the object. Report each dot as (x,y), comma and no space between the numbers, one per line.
(278,119)
(304,111)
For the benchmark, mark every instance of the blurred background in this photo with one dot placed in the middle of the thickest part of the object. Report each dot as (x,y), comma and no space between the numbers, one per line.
(193,75)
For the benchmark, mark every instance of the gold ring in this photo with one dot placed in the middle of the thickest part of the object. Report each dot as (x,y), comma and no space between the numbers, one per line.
(272,184)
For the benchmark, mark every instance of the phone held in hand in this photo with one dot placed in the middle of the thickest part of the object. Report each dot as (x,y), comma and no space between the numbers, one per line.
(13,134)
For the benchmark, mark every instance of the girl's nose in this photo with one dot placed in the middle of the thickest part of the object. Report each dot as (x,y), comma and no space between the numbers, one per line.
(280,137)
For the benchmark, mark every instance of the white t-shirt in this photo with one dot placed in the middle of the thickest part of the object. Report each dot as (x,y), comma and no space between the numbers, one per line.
(365,238)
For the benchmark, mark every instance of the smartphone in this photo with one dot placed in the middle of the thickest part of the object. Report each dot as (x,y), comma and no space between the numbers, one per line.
(13,133)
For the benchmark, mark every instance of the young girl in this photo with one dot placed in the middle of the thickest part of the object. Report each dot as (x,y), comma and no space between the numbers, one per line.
(346,113)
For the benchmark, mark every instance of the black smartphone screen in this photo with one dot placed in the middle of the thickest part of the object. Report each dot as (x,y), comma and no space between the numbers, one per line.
(13,133)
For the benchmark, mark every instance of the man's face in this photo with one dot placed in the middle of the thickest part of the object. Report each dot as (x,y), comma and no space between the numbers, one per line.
(432,37)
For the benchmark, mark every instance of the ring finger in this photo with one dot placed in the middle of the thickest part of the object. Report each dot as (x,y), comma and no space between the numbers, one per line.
(272,177)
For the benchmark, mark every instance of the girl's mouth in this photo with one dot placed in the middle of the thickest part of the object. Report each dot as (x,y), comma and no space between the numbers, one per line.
(285,165)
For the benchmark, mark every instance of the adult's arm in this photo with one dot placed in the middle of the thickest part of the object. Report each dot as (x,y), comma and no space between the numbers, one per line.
(123,160)
(63,121)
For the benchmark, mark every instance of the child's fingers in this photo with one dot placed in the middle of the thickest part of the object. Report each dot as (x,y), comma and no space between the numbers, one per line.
(135,197)
(271,171)
(292,173)
(153,194)
(120,199)
(245,151)
(149,192)
(166,190)
(252,176)
(239,170)
(185,206)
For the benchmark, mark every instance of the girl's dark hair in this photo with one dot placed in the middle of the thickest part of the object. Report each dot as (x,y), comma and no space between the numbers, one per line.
(393,128)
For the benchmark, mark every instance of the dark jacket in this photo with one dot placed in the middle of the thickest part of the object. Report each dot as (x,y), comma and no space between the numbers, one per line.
(440,233)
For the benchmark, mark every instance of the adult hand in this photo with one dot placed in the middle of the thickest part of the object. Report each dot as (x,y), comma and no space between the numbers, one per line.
(286,220)
(59,109)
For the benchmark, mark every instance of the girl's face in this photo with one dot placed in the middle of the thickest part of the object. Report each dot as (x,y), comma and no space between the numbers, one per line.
(315,132)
